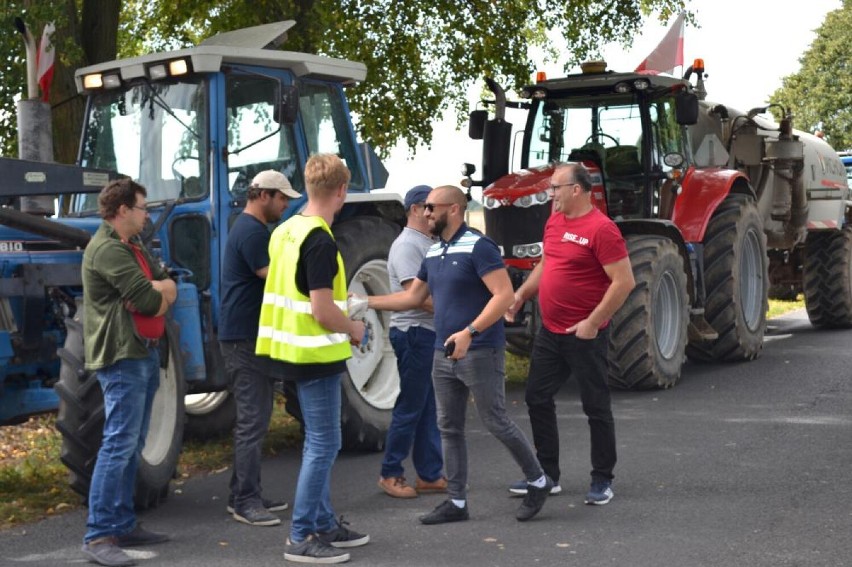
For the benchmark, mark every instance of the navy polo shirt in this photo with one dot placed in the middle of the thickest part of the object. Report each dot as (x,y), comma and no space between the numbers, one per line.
(246,251)
(454,270)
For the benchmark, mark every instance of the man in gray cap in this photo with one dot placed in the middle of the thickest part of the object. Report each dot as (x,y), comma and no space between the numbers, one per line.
(251,378)
(413,426)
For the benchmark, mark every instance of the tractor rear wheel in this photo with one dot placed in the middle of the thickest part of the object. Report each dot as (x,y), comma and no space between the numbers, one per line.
(81,418)
(647,338)
(736,281)
(371,384)
(827,278)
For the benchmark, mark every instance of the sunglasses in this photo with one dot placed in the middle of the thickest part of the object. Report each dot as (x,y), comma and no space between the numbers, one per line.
(431,206)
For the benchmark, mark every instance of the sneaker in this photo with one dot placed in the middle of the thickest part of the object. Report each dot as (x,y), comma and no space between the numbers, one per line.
(313,550)
(533,501)
(342,536)
(397,487)
(256,516)
(105,551)
(600,492)
(141,536)
(271,505)
(446,512)
(427,487)
(520,488)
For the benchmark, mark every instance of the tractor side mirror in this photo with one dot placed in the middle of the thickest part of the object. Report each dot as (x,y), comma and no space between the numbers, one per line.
(288,105)
(476,124)
(686,108)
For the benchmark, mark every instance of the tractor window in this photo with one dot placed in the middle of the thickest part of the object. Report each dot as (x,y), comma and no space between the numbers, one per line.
(154,133)
(327,126)
(667,132)
(256,140)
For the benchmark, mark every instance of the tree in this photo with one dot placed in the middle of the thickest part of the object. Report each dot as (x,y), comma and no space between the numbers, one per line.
(820,93)
(85,34)
(421,56)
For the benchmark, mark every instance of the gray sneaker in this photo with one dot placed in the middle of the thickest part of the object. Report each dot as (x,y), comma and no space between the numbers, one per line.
(256,516)
(271,505)
(105,551)
(312,550)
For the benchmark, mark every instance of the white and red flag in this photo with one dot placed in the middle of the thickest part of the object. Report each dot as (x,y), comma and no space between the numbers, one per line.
(669,53)
(44,61)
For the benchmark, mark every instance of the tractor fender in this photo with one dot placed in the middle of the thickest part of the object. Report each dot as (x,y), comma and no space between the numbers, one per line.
(701,192)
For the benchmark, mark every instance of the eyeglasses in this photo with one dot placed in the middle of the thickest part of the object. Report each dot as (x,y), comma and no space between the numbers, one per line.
(431,206)
(138,208)
(555,187)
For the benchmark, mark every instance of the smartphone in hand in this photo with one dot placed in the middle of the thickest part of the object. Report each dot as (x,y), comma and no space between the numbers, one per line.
(449,349)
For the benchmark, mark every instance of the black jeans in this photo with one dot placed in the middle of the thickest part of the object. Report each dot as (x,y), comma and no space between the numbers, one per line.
(554,359)
(252,381)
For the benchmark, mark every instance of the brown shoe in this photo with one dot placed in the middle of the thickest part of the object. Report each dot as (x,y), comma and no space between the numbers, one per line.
(397,487)
(439,485)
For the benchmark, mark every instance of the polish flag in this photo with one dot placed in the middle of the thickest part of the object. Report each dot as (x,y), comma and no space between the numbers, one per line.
(44,61)
(669,53)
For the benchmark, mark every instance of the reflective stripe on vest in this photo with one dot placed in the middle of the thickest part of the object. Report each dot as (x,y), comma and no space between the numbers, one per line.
(287,329)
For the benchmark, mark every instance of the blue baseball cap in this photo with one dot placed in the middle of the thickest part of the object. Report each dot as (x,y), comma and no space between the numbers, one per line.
(416,195)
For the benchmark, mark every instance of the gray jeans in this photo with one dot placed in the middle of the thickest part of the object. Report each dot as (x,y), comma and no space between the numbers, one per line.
(481,373)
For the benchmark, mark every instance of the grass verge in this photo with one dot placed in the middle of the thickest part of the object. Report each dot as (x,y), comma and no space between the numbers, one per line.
(34,483)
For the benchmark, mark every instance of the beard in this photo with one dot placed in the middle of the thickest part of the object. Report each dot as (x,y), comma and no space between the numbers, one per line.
(438,226)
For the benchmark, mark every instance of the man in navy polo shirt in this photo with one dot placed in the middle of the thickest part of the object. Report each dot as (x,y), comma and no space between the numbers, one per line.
(470,290)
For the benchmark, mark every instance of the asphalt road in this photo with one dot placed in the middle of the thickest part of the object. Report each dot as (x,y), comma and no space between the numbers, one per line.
(739,465)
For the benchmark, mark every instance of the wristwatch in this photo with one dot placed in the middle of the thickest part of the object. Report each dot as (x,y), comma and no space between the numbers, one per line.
(472,330)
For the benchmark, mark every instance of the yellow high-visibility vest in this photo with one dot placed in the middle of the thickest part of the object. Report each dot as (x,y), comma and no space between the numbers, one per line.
(288,330)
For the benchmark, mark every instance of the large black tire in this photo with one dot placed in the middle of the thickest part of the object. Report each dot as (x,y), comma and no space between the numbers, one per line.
(209,416)
(371,384)
(827,278)
(736,280)
(647,339)
(81,419)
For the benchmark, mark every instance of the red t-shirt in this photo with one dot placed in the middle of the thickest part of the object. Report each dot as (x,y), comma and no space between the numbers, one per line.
(573,281)
(148,327)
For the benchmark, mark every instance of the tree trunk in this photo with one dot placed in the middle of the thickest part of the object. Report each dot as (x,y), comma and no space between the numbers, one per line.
(95,31)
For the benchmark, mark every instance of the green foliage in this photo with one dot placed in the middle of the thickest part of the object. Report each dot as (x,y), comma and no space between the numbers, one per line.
(820,93)
(422,57)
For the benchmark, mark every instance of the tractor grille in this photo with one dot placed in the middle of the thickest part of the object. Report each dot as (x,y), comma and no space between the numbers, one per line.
(509,226)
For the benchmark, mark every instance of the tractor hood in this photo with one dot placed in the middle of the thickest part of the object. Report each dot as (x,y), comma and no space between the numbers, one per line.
(522,188)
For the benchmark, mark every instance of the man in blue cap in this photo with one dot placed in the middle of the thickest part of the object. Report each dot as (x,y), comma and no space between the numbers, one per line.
(413,426)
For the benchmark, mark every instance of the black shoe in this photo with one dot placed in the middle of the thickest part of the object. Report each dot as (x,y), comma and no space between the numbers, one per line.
(342,536)
(446,512)
(533,501)
(256,516)
(141,536)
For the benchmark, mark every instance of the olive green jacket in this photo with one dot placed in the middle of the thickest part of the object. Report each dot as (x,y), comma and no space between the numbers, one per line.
(111,276)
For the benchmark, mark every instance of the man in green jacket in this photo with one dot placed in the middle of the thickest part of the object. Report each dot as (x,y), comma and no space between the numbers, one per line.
(126,295)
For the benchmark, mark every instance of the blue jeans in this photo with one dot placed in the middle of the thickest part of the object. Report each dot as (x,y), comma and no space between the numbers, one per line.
(312,511)
(481,373)
(252,383)
(414,423)
(128,386)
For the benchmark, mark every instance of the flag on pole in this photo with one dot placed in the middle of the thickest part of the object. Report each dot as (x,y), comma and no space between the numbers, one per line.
(44,61)
(669,53)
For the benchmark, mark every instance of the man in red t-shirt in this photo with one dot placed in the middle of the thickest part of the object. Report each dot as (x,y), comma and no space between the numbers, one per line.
(583,278)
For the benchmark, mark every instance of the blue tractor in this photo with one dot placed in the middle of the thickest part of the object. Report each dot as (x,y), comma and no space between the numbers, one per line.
(193,126)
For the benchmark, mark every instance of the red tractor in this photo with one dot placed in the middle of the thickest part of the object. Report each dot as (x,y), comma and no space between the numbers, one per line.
(715,205)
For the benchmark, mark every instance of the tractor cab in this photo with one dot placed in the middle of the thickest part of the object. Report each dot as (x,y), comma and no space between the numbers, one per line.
(628,129)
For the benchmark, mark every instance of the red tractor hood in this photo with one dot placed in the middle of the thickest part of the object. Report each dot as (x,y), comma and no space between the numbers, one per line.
(516,185)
